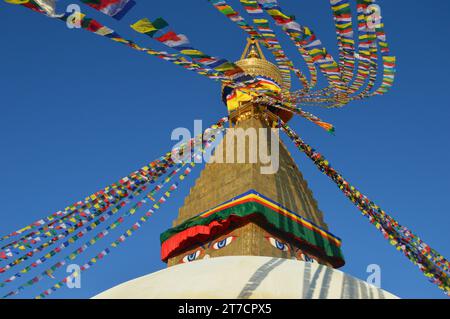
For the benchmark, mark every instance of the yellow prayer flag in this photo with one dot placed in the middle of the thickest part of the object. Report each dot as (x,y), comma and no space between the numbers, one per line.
(17,1)
(192,52)
(143,26)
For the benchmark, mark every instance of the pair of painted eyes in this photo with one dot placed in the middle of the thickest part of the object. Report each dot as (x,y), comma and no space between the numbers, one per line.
(278,244)
(284,247)
(217,245)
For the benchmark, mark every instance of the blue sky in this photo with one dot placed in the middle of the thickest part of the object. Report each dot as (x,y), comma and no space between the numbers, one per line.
(79,111)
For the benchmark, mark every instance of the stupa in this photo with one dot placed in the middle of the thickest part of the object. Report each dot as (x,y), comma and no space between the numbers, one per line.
(246,233)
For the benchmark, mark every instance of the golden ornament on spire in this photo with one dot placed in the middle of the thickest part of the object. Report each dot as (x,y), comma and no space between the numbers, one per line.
(254,63)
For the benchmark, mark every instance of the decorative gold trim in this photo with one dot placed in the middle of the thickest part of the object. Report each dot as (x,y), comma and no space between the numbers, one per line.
(255,66)
(251,110)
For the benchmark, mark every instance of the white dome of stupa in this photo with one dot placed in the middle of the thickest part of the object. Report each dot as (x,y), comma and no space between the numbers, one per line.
(246,277)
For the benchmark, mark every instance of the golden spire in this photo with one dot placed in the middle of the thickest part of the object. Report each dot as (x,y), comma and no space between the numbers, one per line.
(254,63)
(253,53)
(252,50)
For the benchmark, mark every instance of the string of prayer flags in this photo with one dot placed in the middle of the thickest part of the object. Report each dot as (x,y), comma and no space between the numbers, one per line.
(339,75)
(159,30)
(269,41)
(112,191)
(114,8)
(304,37)
(234,16)
(311,117)
(97,28)
(388,75)
(82,233)
(94,204)
(102,218)
(272,101)
(254,9)
(389,61)
(136,226)
(78,235)
(353,78)
(430,262)
(366,39)
(367,64)
(99,236)
(268,35)
(30,4)
(371,35)
(48,7)
(130,212)
(346,44)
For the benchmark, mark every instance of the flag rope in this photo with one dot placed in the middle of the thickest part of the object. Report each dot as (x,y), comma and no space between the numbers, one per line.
(178,151)
(79,235)
(434,266)
(136,226)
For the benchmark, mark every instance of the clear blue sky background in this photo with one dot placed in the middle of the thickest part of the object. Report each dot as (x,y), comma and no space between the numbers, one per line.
(79,111)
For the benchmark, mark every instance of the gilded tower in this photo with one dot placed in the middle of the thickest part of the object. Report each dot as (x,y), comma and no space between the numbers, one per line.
(234,208)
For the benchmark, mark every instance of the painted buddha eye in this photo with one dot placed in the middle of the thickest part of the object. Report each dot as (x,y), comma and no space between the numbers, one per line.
(191,257)
(278,244)
(309,259)
(223,243)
